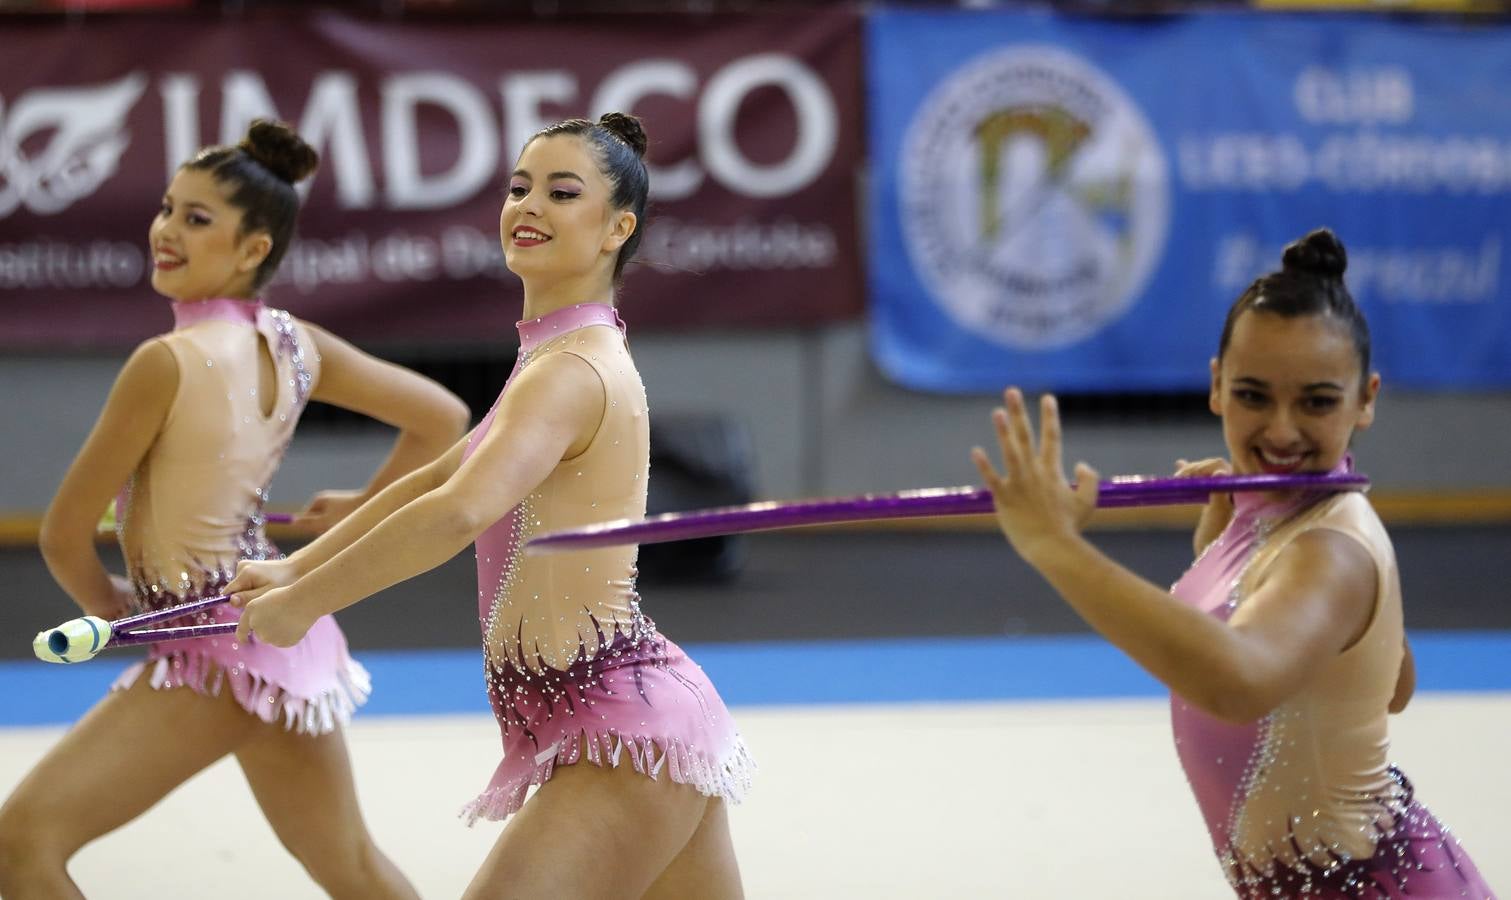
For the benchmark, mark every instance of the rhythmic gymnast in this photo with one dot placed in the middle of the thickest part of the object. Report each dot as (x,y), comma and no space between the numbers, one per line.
(1283,644)
(634,753)
(195,427)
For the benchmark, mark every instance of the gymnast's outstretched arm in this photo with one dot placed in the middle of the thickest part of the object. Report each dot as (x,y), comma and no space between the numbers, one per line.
(551,412)
(1316,599)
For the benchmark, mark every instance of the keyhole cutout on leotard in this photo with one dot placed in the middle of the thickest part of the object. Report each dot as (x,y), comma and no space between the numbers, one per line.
(267,378)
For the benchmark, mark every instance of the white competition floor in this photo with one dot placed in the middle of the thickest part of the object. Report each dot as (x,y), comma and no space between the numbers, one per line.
(890,787)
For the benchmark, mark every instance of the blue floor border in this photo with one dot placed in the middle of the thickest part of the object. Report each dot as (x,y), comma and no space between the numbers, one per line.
(903,670)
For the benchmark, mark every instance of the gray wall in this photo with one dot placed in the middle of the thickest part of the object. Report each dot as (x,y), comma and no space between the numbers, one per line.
(821,419)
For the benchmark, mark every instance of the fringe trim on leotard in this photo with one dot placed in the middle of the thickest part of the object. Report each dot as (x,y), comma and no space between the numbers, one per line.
(316,715)
(728,778)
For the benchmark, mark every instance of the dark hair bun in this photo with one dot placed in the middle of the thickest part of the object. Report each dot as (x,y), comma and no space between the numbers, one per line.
(278,148)
(1319,253)
(626,128)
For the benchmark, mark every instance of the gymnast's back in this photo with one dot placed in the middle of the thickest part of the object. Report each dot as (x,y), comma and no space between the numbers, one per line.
(193,507)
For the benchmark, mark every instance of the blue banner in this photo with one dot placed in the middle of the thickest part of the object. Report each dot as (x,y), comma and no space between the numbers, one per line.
(1072,203)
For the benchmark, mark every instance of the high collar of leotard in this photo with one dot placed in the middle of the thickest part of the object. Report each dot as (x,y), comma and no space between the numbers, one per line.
(219,309)
(534,332)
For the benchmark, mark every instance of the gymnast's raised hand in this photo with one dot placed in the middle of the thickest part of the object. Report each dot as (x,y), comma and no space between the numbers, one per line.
(1036,508)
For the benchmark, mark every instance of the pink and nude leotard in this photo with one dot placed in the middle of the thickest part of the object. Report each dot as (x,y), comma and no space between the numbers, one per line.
(573,667)
(1303,802)
(193,509)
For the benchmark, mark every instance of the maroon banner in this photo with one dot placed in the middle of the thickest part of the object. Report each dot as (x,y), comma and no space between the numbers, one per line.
(754,123)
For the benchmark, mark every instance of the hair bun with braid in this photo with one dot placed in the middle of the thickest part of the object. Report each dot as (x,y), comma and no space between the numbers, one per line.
(626,128)
(278,148)
(1319,253)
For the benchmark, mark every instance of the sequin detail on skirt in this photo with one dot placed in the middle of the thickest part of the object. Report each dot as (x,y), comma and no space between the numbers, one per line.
(622,704)
(311,688)
(1416,858)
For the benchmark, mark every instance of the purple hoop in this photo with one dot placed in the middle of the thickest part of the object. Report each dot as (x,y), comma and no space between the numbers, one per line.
(1119,491)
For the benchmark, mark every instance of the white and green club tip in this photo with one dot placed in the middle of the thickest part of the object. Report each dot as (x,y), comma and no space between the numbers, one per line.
(74,641)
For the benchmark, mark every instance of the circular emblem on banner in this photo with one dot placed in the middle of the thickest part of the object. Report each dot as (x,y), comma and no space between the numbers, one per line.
(1034,198)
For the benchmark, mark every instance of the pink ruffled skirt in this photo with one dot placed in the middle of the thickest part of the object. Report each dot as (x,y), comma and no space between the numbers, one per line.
(311,687)
(638,702)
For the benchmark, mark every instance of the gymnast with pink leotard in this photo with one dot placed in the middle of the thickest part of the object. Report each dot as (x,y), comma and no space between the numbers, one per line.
(195,428)
(1283,644)
(632,750)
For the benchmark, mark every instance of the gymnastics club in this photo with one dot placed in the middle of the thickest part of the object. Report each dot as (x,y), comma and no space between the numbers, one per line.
(1119,491)
(80,639)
